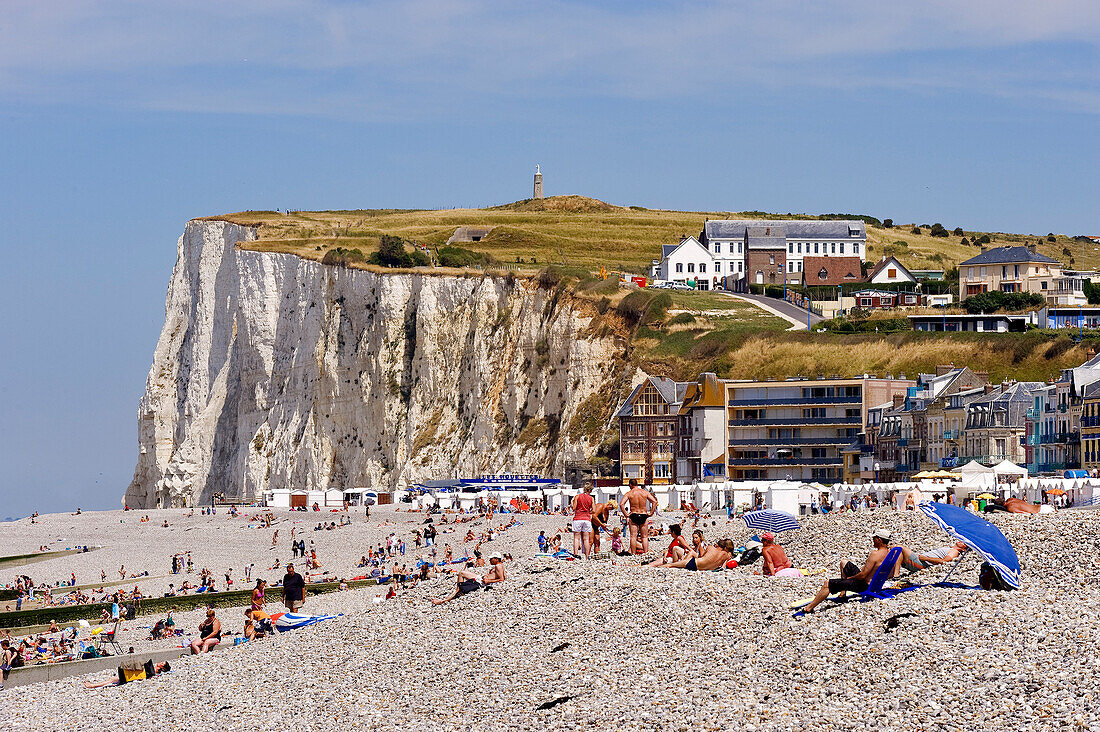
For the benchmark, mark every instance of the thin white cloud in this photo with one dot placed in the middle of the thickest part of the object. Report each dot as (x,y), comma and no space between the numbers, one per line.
(385,59)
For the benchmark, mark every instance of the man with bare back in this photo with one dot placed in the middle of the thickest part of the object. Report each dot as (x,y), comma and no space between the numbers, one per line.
(638,505)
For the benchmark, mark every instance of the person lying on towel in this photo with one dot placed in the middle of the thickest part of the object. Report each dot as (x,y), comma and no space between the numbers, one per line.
(912,562)
(468,581)
(132,674)
(715,557)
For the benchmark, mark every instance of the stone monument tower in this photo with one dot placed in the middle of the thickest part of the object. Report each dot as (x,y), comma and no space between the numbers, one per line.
(538,182)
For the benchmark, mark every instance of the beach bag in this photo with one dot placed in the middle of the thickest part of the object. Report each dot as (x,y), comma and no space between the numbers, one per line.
(135,672)
(990,579)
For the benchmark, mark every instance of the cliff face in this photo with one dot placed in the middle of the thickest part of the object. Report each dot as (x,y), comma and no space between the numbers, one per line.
(277,372)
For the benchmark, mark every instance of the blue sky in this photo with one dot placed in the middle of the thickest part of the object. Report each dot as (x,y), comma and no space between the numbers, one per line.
(121,120)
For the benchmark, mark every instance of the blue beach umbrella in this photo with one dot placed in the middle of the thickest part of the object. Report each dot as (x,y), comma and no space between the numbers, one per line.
(978,534)
(770,519)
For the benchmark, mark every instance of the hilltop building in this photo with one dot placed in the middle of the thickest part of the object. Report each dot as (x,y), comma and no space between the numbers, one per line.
(1021,269)
(736,253)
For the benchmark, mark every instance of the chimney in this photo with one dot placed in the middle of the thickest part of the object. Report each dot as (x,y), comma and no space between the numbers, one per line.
(899,399)
(990,388)
(944,368)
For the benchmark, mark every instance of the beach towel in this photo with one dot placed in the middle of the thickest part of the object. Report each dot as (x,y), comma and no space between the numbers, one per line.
(293,621)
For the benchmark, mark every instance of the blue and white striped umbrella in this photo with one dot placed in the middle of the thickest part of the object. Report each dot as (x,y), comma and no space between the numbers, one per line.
(978,534)
(770,519)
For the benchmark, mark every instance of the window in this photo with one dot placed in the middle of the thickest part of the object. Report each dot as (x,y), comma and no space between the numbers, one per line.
(823,274)
(717,247)
(1044,284)
(891,273)
(1004,271)
(799,247)
(739,266)
(717,267)
(983,271)
(800,266)
(865,302)
(834,247)
(771,259)
(738,247)
(790,248)
(691,266)
(679,266)
(1016,271)
(855,247)
(842,247)
(816,245)
(790,266)
(702,266)
(660,470)
(971,272)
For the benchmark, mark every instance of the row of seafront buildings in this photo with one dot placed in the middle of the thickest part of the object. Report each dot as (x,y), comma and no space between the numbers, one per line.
(856,430)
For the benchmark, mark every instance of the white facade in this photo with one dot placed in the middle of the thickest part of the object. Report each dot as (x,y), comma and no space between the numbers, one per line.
(689,260)
(891,271)
(725,244)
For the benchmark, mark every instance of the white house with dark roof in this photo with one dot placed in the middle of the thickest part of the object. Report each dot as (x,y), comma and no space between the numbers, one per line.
(687,261)
(890,271)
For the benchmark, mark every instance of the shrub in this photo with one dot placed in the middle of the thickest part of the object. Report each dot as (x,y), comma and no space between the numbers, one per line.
(340,257)
(1051,237)
(682,319)
(459,257)
(991,302)
(964,242)
(957,231)
(391,253)
(915,230)
(644,306)
(938,230)
(774,291)
(887,223)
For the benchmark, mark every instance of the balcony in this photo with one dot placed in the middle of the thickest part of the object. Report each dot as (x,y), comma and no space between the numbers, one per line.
(951,434)
(949,462)
(798,421)
(798,441)
(1032,440)
(903,442)
(833,461)
(1051,467)
(795,401)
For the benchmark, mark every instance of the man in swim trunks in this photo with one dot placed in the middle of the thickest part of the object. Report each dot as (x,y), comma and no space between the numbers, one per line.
(852,578)
(715,557)
(636,506)
(676,551)
(912,562)
(468,581)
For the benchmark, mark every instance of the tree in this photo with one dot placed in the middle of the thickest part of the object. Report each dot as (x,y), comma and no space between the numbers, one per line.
(964,242)
(957,231)
(887,223)
(1051,237)
(938,230)
(915,230)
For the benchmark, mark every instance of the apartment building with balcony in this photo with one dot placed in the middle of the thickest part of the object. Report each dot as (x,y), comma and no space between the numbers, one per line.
(798,429)
(951,443)
(648,422)
(911,436)
(701,441)
(1090,427)
(1010,269)
(1056,420)
(996,423)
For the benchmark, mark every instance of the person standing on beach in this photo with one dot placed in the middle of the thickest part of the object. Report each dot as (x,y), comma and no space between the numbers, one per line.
(294,589)
(582,505)
(638,505)
(601,514)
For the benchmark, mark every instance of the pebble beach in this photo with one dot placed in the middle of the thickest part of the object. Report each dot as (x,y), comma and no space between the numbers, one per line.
(604,643)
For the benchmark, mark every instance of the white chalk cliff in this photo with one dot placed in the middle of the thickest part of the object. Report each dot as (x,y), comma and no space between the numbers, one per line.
(274,371)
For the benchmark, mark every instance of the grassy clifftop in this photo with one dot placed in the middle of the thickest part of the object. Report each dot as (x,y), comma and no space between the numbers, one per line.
(580,231)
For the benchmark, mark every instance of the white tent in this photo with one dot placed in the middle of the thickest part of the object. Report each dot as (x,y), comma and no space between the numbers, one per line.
(976,475)
(1006,468)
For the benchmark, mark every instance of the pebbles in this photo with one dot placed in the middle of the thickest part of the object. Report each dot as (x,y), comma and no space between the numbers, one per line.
(647,649)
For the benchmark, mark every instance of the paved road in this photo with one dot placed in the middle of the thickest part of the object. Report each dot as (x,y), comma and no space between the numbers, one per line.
(791,312)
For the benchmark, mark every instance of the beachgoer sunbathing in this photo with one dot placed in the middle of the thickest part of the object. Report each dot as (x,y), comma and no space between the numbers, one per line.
(159,668)
(468,581)
(912,562)
(776,563)
(210,634)
(636,506)
(853,578)
(1016,505)
(676,551)
(715,557)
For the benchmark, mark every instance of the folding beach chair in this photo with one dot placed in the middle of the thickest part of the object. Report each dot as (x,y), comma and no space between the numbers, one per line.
(111,636)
